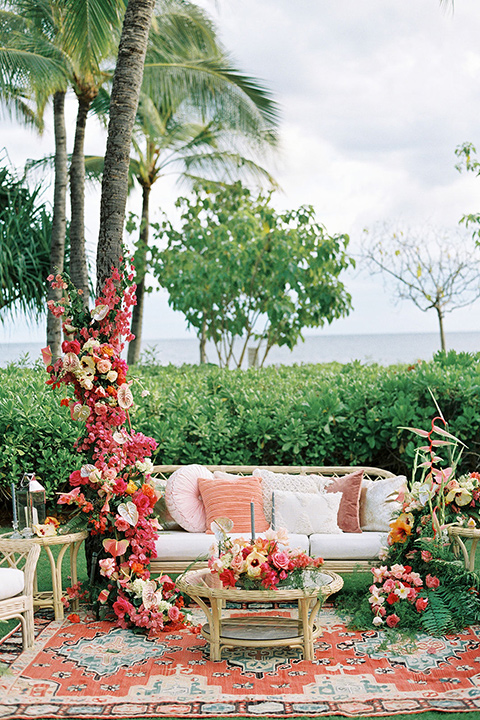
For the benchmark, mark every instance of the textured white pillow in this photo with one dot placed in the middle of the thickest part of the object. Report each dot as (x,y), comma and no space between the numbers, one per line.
(307,513)
(272,481)
(378,502)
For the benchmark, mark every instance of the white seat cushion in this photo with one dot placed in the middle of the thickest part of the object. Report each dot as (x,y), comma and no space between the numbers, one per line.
(178,545)
(349,546)
(12,582)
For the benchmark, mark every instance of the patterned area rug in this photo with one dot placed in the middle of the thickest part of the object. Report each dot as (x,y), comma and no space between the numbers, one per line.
(94,670)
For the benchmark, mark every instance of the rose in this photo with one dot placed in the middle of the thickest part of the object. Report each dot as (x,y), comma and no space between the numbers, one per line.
(103,366)
(421,604)
(392,620)
(431,581)
(173,613)
(281,560)
(107,566)
(426,556)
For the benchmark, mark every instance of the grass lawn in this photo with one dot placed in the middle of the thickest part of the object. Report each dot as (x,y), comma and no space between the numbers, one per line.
(352,583)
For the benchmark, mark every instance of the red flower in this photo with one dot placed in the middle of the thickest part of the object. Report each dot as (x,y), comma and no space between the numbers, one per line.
(392,598)
(421,604)
(392,620)
(228,578)
(431,581)
(73,617)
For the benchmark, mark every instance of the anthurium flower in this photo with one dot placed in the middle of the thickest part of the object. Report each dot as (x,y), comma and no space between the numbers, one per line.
(115,547)
(124,396)
(47,355)
(99,312)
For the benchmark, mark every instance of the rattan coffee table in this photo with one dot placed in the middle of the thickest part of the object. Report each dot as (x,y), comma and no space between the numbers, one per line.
(258,631)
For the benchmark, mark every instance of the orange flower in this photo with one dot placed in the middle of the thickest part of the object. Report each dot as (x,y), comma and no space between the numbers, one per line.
(138,568)
(111,391)
(400,530)
(149,491)
(131,488)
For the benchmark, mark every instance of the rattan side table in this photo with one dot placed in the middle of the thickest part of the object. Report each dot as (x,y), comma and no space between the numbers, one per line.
(257,631)
(71,542)
(458,535)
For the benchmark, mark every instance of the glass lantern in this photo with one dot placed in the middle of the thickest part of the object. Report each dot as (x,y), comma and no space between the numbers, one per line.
(31,504)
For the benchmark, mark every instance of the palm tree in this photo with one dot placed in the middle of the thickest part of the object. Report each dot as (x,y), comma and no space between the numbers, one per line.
(50,45)
(185,67)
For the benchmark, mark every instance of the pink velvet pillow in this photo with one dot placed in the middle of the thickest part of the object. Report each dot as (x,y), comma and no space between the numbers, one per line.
(183,500)
(232,498)
(349,511)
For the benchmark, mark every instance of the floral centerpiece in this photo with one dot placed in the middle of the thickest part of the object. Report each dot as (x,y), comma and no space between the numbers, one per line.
(262,563)
(422,585)
(112,491)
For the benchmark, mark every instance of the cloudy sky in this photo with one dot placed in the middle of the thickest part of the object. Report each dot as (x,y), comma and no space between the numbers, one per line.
(375,96)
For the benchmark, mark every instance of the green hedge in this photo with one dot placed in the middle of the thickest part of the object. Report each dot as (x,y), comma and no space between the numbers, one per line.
(310,414)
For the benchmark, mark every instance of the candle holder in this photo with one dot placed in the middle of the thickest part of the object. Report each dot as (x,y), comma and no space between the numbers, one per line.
(30,505)
(15,535)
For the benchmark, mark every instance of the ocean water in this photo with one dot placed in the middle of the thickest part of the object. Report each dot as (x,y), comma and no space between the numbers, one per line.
(384,349)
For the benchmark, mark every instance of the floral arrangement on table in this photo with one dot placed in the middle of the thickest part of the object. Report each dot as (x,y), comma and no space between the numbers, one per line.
(262,563)
(422,585)
(113,492)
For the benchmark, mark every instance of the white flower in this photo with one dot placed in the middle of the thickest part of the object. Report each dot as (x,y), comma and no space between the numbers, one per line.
(402,592)
(90,344)
(377,620)
(145,467)
(137,587)
(145,393)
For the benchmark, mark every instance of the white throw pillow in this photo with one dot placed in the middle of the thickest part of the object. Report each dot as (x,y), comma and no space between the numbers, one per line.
(307,513)
(272,481)
(378,502)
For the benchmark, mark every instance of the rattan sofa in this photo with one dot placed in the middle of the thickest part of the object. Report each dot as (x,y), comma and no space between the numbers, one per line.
(177,549)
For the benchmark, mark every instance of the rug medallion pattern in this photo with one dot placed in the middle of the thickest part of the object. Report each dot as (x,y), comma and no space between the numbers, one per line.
(95,670)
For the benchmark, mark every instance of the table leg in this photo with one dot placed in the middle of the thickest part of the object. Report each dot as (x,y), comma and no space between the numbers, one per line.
(74,548)
(303,615)
(215,629)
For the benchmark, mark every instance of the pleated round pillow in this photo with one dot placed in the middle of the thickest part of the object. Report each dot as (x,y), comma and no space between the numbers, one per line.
(183,499)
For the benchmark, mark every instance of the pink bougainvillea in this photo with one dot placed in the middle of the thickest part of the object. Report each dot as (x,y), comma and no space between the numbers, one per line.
(112,490)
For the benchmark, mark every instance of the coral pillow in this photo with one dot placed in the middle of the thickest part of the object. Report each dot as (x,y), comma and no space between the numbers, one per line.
(349,511)
(183,500)
(232,498)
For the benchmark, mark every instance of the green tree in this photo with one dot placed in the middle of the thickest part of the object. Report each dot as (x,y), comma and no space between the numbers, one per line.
(25,226)
(435,269)
(242,272)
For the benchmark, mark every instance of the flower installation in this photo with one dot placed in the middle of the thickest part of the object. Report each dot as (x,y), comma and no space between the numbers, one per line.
(422,585)
(113,491)
(262,563)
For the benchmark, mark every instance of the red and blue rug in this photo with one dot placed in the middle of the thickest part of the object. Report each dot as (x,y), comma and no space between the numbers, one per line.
(95,670)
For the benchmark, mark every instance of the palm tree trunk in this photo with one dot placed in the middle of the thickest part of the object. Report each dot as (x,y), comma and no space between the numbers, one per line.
(78,258)
(59,222)
(135,345)
(443,344)
(127,81)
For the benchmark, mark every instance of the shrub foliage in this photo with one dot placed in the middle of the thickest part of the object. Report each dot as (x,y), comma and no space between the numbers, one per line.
(350,414)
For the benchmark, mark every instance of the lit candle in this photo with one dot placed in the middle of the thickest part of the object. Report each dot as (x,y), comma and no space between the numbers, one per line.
(252,519)
(273,510)
(14,506)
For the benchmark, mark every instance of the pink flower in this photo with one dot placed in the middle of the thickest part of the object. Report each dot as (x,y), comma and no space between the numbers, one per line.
(173,613)
(426,556)
(107,566)
(392,620)
(47,355)
(431,581)
(122,607)
(69,498)
(281,560)
(389,585)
